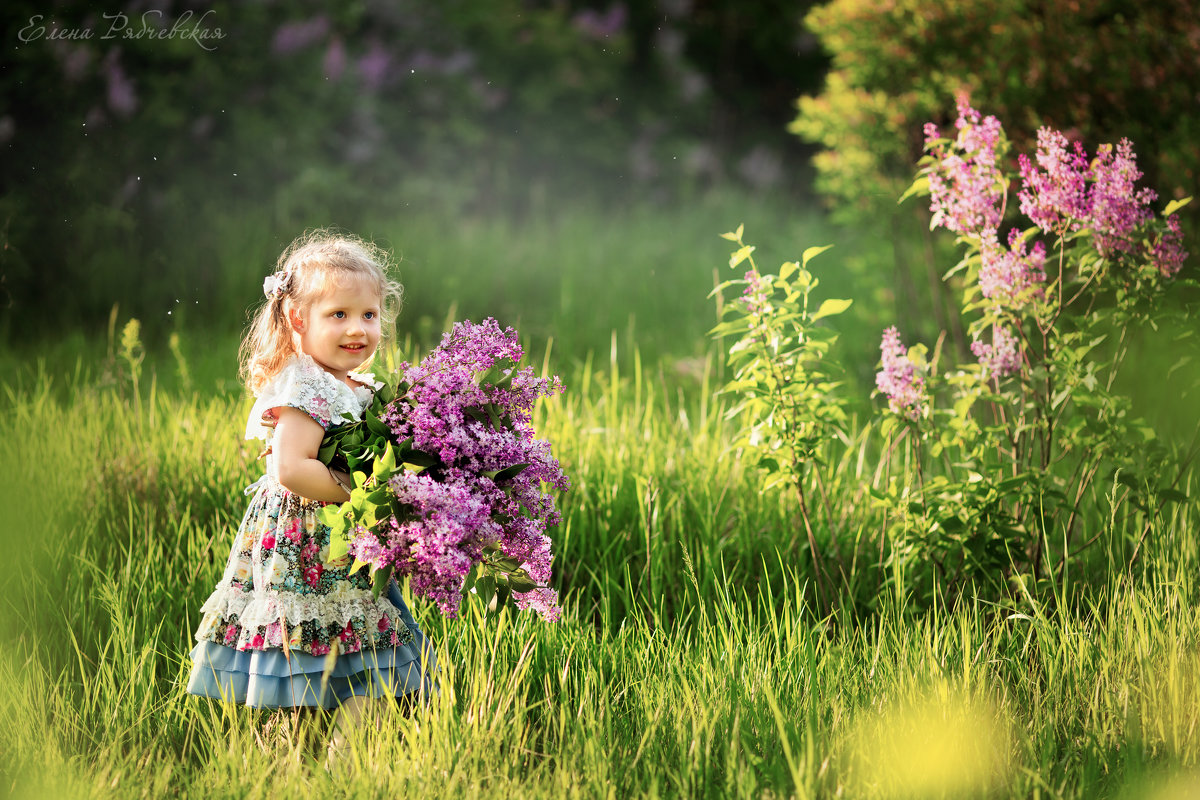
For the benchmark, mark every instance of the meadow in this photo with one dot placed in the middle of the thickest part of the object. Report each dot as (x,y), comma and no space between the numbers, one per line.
(691,659)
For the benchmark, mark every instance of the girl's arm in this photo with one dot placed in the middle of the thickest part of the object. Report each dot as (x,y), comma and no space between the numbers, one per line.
(297,440)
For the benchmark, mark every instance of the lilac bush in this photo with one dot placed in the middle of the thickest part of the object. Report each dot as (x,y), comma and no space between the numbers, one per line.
(1033,420)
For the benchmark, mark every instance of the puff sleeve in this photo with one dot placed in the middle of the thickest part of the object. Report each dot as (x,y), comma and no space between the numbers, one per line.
(304,385)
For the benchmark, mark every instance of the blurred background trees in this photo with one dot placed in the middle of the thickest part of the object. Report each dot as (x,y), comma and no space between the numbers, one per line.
(149,166)
(136,147)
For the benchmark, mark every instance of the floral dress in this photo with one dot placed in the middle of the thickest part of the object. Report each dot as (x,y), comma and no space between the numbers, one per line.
(281,608)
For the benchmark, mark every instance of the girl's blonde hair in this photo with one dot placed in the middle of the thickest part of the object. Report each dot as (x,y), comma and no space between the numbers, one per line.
(309,266)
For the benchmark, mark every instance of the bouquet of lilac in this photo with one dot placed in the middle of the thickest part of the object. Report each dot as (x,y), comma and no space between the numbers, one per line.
(454,492)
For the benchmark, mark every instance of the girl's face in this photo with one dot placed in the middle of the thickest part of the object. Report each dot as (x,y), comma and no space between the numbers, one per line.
(341,329)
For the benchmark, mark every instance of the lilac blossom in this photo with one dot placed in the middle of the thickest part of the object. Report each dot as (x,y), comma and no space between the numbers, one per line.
(375,67)
(543,601)
(1054,192)
(293,36)
(334,63)
(600,26)
(1167,252)
(1003,356)
(1011,275)
(1117,208)
(121,95)
(965,186)
(898,379)
(457,509)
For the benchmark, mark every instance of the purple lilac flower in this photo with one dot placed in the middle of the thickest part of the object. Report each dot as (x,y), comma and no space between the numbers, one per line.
(121,95)
(1054,193)
(1011,275)
(375,66)
(543,601)
(462,511)
(293,36)
(898,379)
(1167,253)
(966,186)
(334,63)
(600,26)
(1003,356)
(1117,208)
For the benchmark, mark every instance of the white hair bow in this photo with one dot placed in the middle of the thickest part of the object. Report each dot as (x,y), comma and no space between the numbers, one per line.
(275,283)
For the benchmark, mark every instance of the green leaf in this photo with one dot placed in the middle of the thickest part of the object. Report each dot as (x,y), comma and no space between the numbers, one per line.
(485,588)
(831,307)
(1172,495)
(330,514)
(376,425)
(419,458)
(509,472)
(379,581)
(339,545)
(736,236)
(356,566)
(385,465)
(812,253)
(787,270)
(741,255)
(520,584)
(494,416)
(1175,205)
(919,186)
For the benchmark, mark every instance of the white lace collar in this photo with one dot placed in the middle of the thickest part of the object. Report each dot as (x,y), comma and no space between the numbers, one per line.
(367,378)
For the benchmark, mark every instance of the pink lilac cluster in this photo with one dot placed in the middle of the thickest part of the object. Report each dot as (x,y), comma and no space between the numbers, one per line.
(457,509)
(966,186)
(1003,356)
(1054,192)
(1011,276)
(1117,207)
(898,379)
(1064,192)
(1061,189)
(1167,252)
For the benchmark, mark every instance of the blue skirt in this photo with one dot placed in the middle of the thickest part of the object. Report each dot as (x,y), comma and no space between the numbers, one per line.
(271,679)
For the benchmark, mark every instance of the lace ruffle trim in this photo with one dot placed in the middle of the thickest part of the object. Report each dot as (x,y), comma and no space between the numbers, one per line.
(303,384)
(263,607)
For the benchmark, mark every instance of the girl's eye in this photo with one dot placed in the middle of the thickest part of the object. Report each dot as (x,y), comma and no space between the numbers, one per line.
(370,315)
(339,314)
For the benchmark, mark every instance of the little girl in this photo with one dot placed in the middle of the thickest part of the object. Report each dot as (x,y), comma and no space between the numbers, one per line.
(282,609)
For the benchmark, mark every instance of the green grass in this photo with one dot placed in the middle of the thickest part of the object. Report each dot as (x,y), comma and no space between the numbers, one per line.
(689,662)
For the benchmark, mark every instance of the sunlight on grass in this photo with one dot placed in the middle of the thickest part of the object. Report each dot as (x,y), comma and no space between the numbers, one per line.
(942,744)
(710,678)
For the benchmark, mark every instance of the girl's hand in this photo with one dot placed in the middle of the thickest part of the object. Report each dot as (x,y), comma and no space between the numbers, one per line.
(297,441)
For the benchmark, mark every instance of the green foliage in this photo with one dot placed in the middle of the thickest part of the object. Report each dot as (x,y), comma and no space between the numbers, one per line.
(787,401)
(1101,69)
